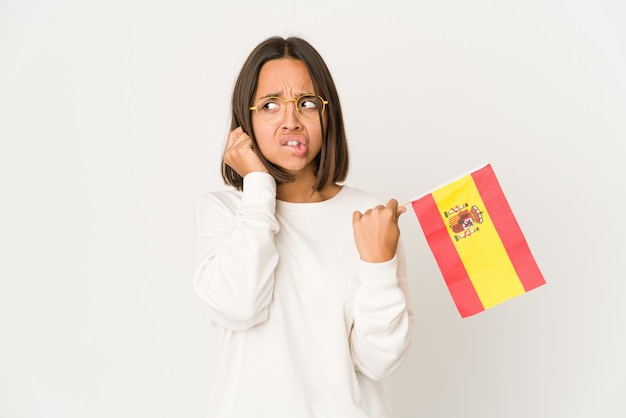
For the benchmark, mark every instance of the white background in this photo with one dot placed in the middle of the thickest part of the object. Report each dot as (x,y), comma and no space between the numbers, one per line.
(113,115)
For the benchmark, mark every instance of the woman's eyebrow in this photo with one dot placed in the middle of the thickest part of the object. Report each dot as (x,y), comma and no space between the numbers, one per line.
(270,95)
(279,94)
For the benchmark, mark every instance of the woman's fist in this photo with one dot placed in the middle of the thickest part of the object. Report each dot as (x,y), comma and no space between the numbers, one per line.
(376,232)
(240,154)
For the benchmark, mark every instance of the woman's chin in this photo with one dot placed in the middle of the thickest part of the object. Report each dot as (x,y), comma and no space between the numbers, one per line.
(298,167)
(295,171)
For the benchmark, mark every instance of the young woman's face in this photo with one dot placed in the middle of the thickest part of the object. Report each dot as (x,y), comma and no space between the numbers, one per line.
(288,139)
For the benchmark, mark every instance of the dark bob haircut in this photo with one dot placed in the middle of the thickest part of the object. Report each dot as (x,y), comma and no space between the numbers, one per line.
(332,160)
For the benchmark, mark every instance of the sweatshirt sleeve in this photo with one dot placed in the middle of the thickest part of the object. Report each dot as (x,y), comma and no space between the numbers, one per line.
(235,254)
(383,317)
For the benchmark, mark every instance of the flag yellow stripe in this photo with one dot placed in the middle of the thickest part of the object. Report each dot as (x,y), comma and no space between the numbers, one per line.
(482,253)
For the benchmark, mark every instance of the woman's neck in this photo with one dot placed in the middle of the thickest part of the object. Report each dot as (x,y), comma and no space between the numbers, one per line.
(301,191)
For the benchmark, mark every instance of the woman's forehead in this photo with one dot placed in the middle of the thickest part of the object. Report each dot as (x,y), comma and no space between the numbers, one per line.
(284,76)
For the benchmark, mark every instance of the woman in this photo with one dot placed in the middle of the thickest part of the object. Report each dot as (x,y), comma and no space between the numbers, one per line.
(304,277)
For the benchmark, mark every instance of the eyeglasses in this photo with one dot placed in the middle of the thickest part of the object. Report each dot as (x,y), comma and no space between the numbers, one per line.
(272,109)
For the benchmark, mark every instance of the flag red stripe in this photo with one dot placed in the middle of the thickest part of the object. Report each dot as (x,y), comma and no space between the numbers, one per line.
(507,227)
(448,260)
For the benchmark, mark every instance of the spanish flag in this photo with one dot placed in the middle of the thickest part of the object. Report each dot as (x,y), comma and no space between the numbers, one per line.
(477,242)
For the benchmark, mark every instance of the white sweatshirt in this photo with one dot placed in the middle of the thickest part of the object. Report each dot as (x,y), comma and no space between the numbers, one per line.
(304,327)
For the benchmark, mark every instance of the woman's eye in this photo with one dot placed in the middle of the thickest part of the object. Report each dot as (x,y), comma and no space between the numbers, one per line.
(308,104)
(270,106)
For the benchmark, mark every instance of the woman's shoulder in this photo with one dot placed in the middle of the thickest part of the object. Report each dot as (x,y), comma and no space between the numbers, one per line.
(225,199)
(362,197)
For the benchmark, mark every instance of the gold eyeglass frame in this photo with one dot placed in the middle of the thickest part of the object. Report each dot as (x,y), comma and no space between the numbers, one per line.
(295,103)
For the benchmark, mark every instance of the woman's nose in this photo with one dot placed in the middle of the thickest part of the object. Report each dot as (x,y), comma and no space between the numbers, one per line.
(291,117)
